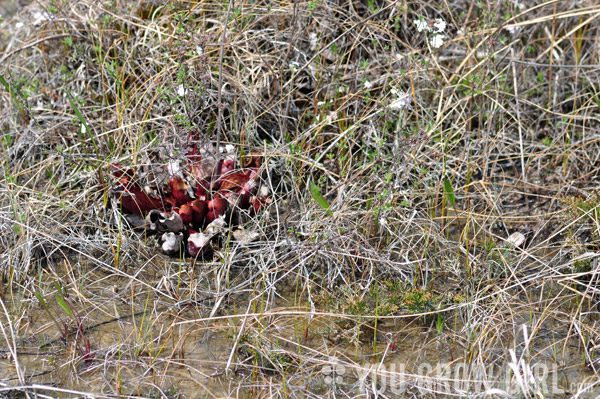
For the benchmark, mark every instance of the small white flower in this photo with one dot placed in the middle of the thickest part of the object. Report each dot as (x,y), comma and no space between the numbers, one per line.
(199,50)
(368,84)
(512,29)
(402,100)
(181,90)
(83,129)
(173,168)
(422,25)
(229,151)
(437,40)
(439,25)
(313,39)
(321,103)
(294,65)
(383,222)
(229,148)
(19,25)
(264,191)
(39,17)
(518,5)
(332,117)
(398,104)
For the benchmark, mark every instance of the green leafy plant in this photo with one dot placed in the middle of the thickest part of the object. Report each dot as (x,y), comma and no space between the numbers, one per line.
(17,98)
(82,341)
(83,121)
(449,192)
(439,324)
(315,191)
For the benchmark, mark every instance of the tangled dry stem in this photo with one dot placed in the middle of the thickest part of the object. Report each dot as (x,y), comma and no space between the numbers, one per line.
(499,133)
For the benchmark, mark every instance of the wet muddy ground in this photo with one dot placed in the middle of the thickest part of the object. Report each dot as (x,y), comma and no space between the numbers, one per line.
(180,350)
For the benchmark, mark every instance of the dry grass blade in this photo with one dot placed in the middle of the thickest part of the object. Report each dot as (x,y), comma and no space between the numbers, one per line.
(430,215)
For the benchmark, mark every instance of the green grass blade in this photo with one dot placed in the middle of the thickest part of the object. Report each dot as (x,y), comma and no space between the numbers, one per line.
(59,289)
(63,304)
(315,191)
(40,298)
(595,97)
(13,93)
(449,191)
(82,120)
(6,85)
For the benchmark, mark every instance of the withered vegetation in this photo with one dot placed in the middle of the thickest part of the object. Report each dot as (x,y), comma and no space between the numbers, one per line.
(432,170)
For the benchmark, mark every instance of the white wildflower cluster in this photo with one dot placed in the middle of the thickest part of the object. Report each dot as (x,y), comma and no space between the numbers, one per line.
(512,29)
(439,25)
(39,17)
(401,101)
(228,149)
(437,41)
(518,4)
(181,90)
(422,25)
(436,28)
(294,66)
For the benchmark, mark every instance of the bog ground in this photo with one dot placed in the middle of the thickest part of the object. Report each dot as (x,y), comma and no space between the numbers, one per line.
(424,220)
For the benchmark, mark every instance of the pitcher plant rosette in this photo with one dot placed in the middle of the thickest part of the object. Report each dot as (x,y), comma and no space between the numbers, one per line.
(201,194)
